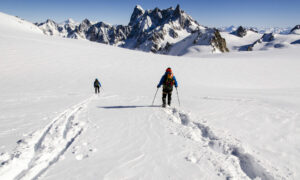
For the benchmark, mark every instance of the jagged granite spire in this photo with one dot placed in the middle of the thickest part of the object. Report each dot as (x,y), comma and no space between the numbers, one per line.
(177,12)
(137,12)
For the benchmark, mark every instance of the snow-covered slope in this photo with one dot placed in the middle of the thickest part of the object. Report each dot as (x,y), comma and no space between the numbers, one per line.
(244,39)
(271,41)
(206,41)
(235,43)
(12,23)
(239,116)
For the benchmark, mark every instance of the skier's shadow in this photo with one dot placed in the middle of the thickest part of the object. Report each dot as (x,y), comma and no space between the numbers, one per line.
(125,107)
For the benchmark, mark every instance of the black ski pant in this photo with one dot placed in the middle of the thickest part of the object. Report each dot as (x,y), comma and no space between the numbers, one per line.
(97,89)
(164,96)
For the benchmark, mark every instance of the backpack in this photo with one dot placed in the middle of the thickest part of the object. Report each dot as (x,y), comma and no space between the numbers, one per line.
(169,82)
(96,83)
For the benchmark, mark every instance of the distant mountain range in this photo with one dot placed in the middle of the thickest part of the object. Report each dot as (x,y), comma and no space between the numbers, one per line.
(275,30)
(173,32)
(156,31)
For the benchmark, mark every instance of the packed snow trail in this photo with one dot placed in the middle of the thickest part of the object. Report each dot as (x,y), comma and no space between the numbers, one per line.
(228,154)
(126,139)
(42,149)
(122,138)
(129,140)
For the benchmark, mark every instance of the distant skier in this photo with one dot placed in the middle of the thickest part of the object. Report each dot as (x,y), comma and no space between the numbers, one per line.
(168,80)
(97,86)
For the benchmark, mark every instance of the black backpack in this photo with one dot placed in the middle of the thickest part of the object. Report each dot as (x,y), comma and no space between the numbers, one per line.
(96,83)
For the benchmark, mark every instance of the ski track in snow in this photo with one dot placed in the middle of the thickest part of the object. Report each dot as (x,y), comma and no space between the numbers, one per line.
(226,154)
(42,149)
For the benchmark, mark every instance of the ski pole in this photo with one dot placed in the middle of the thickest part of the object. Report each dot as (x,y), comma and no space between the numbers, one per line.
(154,96)
(178,96)
(100,89)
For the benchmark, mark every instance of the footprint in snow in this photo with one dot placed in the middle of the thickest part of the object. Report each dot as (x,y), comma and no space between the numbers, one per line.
(80,157)
(83,152)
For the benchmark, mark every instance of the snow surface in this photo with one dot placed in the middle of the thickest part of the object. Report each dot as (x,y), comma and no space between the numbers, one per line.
(238,119)
(234,43)
(10,24)
(281,41)
(187,47)
(297,31)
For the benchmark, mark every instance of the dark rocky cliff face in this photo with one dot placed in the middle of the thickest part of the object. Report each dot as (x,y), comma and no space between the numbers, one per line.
(297,27)
(240,32)
(219,42)
(211,37)
(268,37)
(135,16)
(148,30)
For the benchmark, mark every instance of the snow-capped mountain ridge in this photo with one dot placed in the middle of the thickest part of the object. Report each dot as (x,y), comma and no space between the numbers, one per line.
(170,31)
(262,30)
(249,39)
(154,31)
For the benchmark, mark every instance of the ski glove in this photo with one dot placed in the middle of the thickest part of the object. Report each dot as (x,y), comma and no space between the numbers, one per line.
(158,86)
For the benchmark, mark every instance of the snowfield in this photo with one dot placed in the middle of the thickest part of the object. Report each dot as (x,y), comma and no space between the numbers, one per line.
(239,116)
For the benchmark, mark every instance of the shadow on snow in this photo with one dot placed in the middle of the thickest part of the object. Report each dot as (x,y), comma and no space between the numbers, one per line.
(124,107)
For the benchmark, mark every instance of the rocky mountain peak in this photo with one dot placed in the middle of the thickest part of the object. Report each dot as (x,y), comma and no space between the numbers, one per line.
(218,42)
(295,30)
(156,14)
(86,22)
(69,21)
(49,21)
(156,30)
(103,25)
(267,37)
(177,12)
(240,32)
(137,12)
(49,27)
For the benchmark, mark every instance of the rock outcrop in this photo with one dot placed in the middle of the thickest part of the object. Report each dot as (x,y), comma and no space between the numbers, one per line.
(240,32)
(295,30)
(268,37)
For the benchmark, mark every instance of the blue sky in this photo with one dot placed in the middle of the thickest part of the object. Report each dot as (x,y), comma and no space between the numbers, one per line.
(213,13)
